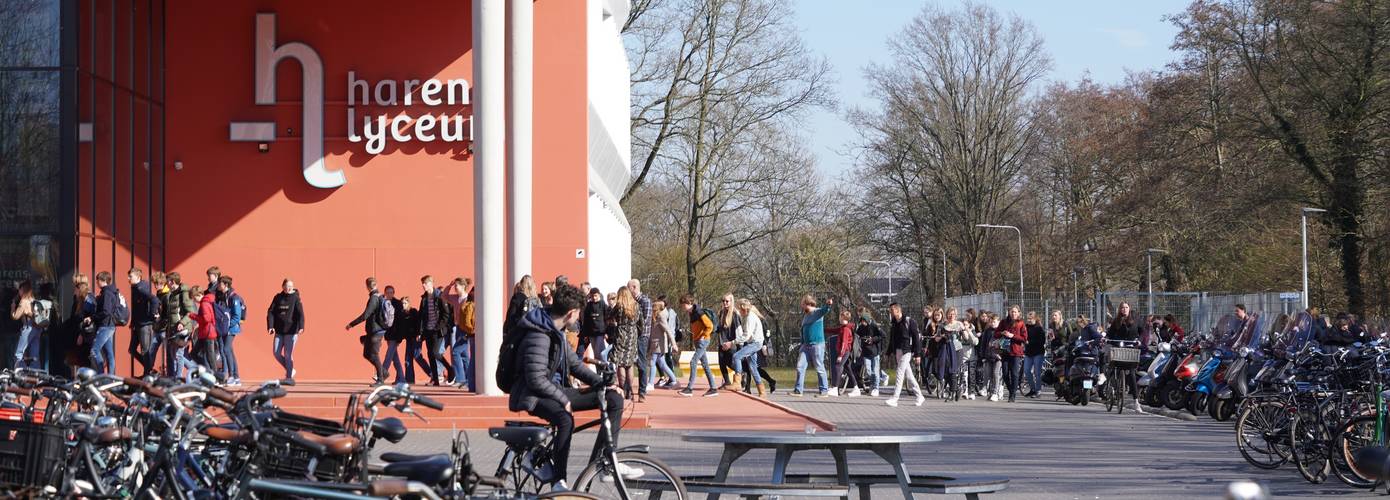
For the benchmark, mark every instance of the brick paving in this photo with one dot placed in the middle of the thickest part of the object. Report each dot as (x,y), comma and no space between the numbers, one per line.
(1050,450)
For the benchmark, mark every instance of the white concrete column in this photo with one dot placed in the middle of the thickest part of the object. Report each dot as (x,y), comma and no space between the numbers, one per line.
(489,218)
(519,49)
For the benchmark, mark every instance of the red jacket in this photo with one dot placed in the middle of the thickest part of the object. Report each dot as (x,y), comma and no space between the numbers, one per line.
(1019,340)
(206,318)
(846,339)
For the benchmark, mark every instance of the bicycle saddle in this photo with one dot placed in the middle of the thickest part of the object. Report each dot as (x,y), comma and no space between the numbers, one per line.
(519,436)
(107,435)
(337,444)
(389,428)
(394,457)
(433,470)
(226,433)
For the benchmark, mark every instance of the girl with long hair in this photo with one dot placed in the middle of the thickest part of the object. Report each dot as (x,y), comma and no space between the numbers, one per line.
(748,340)
(1012,335)
(624,353)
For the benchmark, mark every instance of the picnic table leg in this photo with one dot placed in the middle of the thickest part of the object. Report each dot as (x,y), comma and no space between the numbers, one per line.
(779,464)
(893,455)
(732,452)
(841,468)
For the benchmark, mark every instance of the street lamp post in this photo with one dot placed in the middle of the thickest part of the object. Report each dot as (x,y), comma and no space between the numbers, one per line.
(1306,211)
(1020,255)
(1149,274)
(1075,291)
(944,292)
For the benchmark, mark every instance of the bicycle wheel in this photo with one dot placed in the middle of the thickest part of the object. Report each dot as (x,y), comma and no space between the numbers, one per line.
(1359,432)
(1310,448)
(648,477)
(1262,434)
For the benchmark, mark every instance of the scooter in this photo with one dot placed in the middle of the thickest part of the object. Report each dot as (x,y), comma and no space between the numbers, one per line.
(1173,390)
(1156,373)
(1231,389)
(1084,375)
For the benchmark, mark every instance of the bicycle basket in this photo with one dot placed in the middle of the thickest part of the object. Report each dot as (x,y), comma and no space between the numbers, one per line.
(30,454)
(1124,355)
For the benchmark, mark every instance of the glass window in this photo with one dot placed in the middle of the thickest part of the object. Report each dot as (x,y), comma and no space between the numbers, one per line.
(30,34)
(30,179)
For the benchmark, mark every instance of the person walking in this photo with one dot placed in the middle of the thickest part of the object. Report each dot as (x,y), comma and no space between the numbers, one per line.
(624,353)
(963,341)
(232,310)
(904,340)
(205,347)
(409,325)
(394,335)
(593,326)
(524,299)
(435,318)
(285,321)
(701,327)
(462,350)
(109,313)
(725,330)
(990,359)
(374,316)
(1033,354)
(661,341)
(673,353)
(1012,336)
(144,312)
(22,312)
(748,340)
(848,358)
(945,353)
(178,331)
(644,328)
(812,349)
(870,339)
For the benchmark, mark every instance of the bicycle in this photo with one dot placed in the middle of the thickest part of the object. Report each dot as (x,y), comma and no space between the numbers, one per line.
(526,466)
(1120,372)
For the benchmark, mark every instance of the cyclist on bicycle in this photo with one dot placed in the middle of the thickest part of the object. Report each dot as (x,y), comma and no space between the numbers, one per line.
(544,362)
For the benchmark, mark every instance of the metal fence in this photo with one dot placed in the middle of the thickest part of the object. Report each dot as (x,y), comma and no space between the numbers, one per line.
(1195,311)
(1032,301)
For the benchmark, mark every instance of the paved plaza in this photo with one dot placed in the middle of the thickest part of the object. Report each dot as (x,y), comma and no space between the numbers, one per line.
(1050,450)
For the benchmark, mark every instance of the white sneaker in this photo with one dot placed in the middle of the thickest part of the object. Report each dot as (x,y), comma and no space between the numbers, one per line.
(651,387)
(892,402)
(875,393)
(994,397)
(834,391)
(920,400)
(982,392)
(559,486)
(970,397)
(853,393)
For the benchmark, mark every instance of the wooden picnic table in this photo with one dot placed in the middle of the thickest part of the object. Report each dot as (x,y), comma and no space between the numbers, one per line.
(886,444)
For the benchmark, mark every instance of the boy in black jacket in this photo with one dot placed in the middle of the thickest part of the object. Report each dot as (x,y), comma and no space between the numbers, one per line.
(371,342)
(285,320)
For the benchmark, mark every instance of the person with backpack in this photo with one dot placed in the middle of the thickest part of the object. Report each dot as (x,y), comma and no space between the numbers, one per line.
(661,341)
(436,318)
(461,351)
(534,363)
(205,349)
(870,339)
(904,342)
(231,310)
(144,313)
(374,315)
(847,357)
(285,320)
(701,327)
(177,306)
(393,334)
(22,311)
(111,312)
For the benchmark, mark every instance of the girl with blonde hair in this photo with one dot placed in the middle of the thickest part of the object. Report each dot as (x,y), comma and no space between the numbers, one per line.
(748,340)
(624,353)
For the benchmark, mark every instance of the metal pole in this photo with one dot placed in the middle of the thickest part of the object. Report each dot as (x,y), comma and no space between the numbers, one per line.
(944,292)
(1149,273)
(519,50)
(1020,265)
(1305,212)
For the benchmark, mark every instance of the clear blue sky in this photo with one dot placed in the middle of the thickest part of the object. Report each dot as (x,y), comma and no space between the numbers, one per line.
(1102,38)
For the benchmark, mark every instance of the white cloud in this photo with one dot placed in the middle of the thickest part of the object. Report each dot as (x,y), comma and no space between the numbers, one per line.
(1126,37)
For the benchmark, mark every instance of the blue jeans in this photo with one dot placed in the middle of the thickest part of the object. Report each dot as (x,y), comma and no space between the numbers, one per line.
(228,356)
(283,349)
(658,362)
(1032,371)
(393,359)
(414,356)
(28,343)
(462,356)
(103,353)
(697,359)
(749,351)
(182,363)
(873,364)
(817,352)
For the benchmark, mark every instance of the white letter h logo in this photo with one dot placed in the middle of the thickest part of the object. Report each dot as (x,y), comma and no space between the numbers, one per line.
(268,56)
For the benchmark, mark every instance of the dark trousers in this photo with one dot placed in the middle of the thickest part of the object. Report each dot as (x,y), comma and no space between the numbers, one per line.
(205,351)
(849,370)
(142,347)
(642,362)
(1013,372)
(433,341)
(553,411)
(371,351)
(726,363)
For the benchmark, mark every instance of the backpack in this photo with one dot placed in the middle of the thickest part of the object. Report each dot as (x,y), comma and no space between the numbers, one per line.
(507,364)
(237,314)
(383,315)
(222,317)
(466,314)
(43,313)
(122,317)
(388,317)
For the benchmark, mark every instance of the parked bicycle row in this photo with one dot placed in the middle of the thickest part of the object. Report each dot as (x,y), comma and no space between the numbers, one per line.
(104,436)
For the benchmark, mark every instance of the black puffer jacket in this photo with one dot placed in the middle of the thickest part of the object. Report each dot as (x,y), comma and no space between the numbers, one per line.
(903,336)
(544,357)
